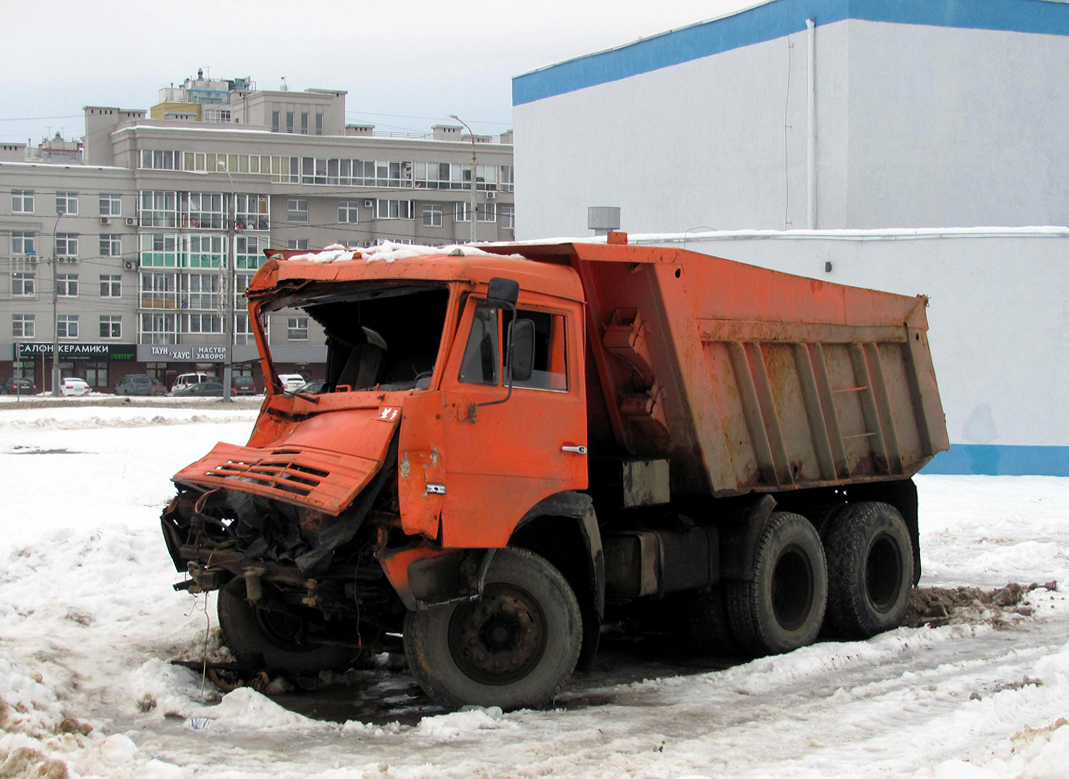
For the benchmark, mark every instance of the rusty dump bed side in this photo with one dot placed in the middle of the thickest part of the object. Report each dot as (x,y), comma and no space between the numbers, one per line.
(750,379)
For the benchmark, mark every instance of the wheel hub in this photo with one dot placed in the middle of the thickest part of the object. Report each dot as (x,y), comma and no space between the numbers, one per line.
(500,638)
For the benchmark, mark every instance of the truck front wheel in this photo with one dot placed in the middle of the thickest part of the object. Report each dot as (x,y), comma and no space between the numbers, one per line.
(870,570)
(781,606)
(266,639)
(514,647)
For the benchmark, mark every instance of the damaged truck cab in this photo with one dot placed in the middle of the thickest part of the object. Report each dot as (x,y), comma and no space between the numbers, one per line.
(507,441)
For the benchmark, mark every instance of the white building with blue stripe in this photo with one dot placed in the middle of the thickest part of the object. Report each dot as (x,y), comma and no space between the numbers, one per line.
(914,146)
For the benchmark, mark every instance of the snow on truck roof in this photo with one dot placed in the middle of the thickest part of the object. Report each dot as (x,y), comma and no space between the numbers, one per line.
(390,252)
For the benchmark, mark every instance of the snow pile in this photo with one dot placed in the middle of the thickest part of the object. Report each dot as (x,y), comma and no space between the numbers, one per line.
(462,724)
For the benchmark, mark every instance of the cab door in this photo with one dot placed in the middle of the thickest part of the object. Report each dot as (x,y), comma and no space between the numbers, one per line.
(502,456)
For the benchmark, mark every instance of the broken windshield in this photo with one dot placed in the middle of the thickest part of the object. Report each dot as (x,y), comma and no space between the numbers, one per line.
(360,336)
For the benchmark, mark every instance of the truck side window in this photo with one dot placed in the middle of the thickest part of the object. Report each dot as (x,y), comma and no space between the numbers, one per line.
(481,354)
(550,371)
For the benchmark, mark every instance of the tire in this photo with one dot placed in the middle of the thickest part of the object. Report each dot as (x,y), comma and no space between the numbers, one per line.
(710,624)
(870,570)
(514,647)
(261,639)
(781,607)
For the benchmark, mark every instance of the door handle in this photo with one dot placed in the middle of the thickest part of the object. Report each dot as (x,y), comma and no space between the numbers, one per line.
(574,449)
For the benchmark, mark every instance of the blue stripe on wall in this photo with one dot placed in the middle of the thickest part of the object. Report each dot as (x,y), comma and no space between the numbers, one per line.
(1001,461)
(776,20)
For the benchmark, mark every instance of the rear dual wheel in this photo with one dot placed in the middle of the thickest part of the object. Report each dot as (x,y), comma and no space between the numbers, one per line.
(514,647)
(781,606)
(870,570)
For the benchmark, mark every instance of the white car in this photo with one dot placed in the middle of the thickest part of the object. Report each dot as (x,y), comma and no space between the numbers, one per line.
(74,386)
(291,381)
(187,379)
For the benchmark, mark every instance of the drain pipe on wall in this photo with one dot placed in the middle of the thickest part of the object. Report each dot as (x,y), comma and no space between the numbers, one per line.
(811,124)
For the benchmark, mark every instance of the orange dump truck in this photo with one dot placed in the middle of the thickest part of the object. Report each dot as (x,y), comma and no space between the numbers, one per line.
(514,442)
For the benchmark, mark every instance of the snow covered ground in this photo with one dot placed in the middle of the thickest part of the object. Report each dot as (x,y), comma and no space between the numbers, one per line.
(89,623)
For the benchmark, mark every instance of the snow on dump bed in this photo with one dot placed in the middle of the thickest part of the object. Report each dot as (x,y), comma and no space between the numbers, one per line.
(89,624)
(388,251)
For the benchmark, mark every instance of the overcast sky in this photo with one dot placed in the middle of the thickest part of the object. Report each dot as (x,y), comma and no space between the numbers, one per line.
(406,65)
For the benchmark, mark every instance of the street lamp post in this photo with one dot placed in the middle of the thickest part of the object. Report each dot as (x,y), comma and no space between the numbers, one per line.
(473,169)
(55,314)
(229,288)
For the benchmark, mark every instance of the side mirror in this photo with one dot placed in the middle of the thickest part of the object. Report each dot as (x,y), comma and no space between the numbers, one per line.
(521,349)
(503,293)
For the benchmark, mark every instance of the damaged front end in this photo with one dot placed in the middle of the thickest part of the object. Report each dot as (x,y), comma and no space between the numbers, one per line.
(299,531)
(321,570)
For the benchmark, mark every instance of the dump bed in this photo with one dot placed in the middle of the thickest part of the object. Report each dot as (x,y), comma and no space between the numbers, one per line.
(750,379)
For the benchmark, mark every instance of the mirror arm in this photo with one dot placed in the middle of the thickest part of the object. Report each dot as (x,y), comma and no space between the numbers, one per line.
(508,368)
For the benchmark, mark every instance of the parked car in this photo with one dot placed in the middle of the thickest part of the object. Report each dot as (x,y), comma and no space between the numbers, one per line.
(243,385)
(313,387)
(187,379)
(72,386)
(18,387)
(140,384)
(204,389)
(291,381)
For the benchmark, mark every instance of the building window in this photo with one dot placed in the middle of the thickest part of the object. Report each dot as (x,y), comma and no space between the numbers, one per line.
(67,203)
(508,217)
(156,159)
(393,209)
(67,285)
(247,252)
(110,204)
(442,175)
(23,243)
(432,215)
(204,210)
(276,121)
(111,286)
(202,324)
(158,329)
(110,326)
(216,115)
(348,211)
(242,332)
(158,290)
(462,212)
(23,284)
(96,374)
(297,210)
(297,243)
(297,328)
(200,291)
(22,326)
(304,123)
(253,212)
(289,121)
(22,201)
(319,124)
(159,209)
(204,251)
(110,245)
(67,325)
(486,212)
(159,250)
(66,244)
(508,178)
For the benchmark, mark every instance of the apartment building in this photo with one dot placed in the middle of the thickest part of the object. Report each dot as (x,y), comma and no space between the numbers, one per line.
(128,248)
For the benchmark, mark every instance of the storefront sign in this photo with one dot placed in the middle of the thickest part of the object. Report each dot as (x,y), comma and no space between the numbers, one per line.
(77,351)
(174,353)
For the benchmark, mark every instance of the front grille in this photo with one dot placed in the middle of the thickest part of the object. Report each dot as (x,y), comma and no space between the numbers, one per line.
(328,481)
